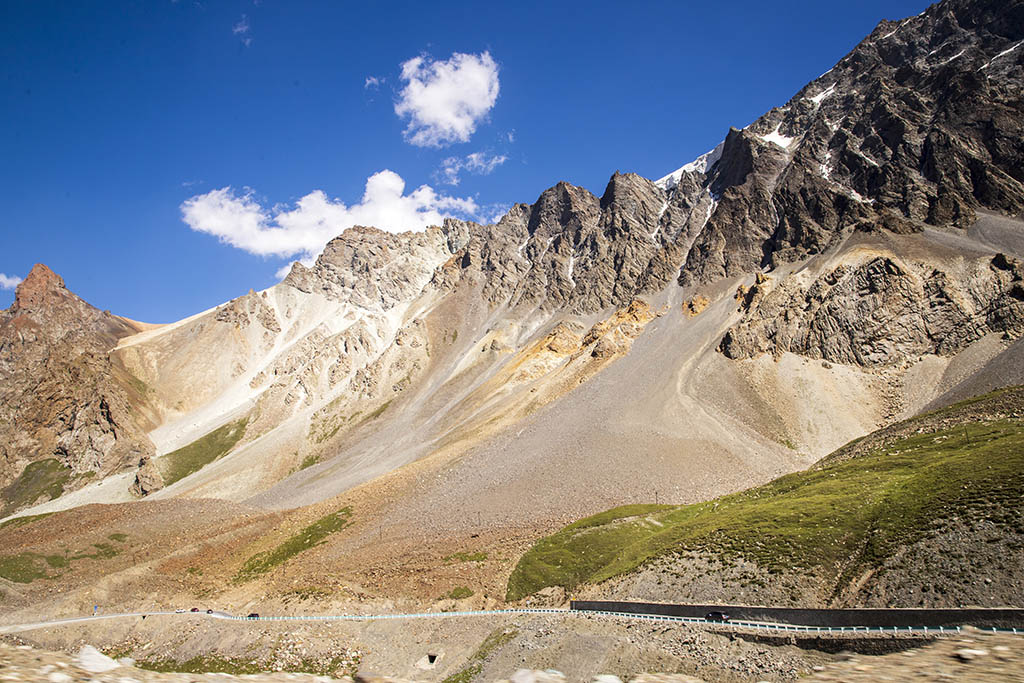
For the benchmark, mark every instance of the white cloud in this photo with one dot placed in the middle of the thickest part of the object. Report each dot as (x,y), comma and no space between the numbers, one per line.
(241,221)
(372,82)
(9,281)
(477,162)
(493,213)
(242,29)
(445,100)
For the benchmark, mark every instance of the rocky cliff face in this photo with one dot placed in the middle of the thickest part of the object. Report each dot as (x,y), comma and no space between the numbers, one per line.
(921,124)
(880,311)
(61,397)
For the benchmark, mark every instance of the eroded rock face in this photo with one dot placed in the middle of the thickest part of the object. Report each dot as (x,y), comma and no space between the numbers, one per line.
(575,252)
(147,479)
(60,395)
(881,311)
(250,307)
(922,123)
(376,269)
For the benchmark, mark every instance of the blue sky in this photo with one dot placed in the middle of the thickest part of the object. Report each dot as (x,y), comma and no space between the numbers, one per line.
(120,121)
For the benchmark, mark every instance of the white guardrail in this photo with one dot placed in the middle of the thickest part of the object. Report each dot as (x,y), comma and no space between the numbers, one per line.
(760,625)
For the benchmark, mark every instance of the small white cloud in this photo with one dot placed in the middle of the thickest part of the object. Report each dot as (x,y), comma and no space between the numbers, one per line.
(241,29)
(444,101)
(493,213)
(477,162)
(240,220)
(372,82)
(191,183)
(9,281)
(511,136)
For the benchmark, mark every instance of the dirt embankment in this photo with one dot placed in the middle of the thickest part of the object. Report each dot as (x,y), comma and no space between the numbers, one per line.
(526,648)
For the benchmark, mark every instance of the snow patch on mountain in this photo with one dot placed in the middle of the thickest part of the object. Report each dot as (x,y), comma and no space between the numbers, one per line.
(1002,54)
(822,95)
(777,138)
(701,164)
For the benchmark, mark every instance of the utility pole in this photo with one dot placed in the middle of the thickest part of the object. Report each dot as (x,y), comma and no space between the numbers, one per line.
(655,496)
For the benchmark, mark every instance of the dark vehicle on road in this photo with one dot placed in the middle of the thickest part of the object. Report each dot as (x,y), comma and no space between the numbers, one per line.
(716,616)
(253,615)
(194,609)
(209,611)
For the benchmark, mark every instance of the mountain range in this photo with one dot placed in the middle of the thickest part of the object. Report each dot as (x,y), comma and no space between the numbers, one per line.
(846,261)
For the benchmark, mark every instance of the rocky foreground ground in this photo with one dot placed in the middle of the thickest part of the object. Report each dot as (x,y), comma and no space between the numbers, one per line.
(972,656)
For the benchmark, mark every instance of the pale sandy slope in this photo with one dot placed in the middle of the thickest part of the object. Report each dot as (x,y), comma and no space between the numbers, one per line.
(673,420)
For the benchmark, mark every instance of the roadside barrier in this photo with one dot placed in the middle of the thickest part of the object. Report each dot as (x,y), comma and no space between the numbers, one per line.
(756,625)
(738,623)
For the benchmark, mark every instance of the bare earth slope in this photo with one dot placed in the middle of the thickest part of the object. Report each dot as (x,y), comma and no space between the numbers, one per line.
(926,512)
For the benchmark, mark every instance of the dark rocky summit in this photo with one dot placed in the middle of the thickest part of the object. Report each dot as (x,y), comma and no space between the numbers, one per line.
(921,124)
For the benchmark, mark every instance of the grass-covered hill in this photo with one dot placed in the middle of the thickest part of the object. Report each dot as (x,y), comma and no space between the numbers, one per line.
(929,511)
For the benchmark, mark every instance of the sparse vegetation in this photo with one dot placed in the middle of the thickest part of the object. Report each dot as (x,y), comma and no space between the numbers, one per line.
(201,452)
(304,593)
(137,384)
(464,557)
(237,666)
(379,411)
(309,461)
(837,520)
(38,479)
(458,593)
(20,521)
(104,551)
(326,424)
(476,663)
(203,664)
(27,567)
(119,537)
(312,535)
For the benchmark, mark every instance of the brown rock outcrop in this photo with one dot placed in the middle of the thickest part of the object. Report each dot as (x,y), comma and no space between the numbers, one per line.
(60,395)
(882,311)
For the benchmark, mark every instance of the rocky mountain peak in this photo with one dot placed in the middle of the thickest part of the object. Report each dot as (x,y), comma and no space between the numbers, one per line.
(920,124)
(564,208)
(38,288)
(63,403)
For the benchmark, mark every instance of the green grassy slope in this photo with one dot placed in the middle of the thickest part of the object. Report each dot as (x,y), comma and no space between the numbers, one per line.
(835,520)
(201,452)
(310,536)
(41,479)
